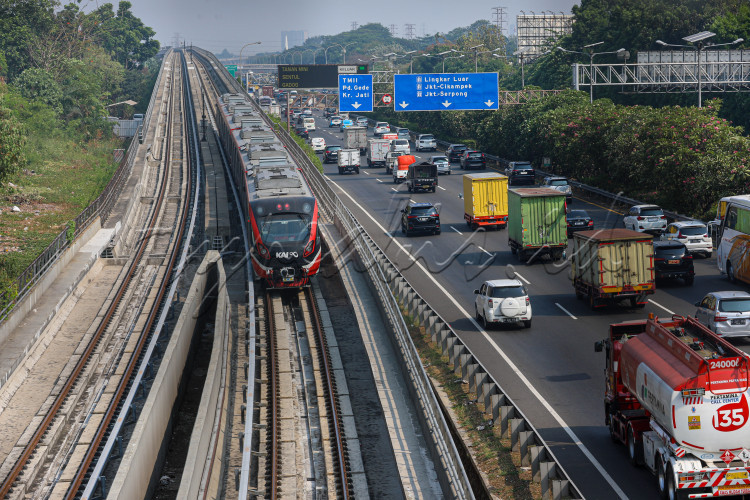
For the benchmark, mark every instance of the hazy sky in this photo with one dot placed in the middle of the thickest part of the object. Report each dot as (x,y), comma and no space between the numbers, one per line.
(219,24)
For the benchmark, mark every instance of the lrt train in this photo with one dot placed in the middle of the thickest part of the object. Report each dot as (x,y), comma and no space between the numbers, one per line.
(277,204)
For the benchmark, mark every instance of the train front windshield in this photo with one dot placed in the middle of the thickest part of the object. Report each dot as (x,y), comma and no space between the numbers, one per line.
(285,228)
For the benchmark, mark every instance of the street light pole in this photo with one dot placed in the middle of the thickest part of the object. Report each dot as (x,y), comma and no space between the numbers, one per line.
(246,45)
(591,55)
(455,57)
(476,53)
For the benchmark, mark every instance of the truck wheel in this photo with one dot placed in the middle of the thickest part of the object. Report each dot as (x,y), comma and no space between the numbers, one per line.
(513,250)
(579,295)
(593,302)
(613,430)
(341,171)
(730,273)
(369,163)
(357,170)
(672,493)
(408,187)
(635,449)
(522,257)
(661,477)
(433,189)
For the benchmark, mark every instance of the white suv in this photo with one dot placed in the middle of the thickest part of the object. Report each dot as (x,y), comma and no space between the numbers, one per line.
(381,128)
(646,219)
(426,142)
(693,234)
(502,301)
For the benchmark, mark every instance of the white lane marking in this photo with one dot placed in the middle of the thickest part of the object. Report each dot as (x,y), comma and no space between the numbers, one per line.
(456,230)
(366,172)
(502,354)
(485,251)
(392,189)
(441,187)
(379,180)
(523,279)
(659,305)
(565,310)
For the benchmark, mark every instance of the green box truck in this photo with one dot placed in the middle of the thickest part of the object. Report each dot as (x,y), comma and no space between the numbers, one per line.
(611,265)
(537,223)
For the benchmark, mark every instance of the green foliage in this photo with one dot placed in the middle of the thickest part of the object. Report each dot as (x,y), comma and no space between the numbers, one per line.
(21,21)
(682,158)
(11,142)
(125,36)
(38,84)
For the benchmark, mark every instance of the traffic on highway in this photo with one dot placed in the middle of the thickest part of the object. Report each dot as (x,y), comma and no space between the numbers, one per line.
(549,367)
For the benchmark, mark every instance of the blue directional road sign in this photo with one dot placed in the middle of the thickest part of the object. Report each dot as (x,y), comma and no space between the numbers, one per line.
(355,93)
(445,91)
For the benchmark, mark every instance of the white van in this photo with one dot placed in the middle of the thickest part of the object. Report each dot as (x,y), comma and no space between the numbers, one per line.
(308,122)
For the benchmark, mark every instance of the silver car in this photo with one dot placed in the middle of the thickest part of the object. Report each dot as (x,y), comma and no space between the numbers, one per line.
(559,184)
(443,165)
(726,313)
(646,219)
(426,142)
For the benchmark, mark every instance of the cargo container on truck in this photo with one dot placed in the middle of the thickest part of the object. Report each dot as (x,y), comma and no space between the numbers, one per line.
(610,265)
(356,138)
(537,223)
(348,161)
(401,170)
(377,149)
(486,200)
(391,160)
(676,394)
(422,176)
(267,91)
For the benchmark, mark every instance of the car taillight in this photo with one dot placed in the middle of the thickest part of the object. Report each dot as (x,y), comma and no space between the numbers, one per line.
(489,302)
(591,223)
(569,223)
(720,319)
(663,217)
(639,218)
(659,259)
(688,256)
(411,216)
(527,301)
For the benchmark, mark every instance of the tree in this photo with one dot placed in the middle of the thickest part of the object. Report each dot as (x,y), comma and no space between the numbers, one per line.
(20,23)
(125,36)
(38,84)
(12,141)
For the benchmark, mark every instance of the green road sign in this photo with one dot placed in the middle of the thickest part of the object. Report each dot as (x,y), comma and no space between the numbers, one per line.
(232,68)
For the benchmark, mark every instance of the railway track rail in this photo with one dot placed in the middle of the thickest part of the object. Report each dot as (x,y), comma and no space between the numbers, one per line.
(300,376)
(58,457)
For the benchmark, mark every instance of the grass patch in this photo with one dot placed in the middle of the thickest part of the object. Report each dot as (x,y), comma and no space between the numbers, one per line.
(491,451)
(301,142)
(62,177)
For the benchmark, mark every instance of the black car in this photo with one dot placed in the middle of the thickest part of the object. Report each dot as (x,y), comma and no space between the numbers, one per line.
(301,131)
(329,112)
(473,159)
(521,173)
(579,220)
(672,260)
(420,217)
(331,154)
(454,152)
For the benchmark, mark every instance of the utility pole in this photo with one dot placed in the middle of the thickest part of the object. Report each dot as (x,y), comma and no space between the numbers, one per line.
(409,28)
(500,15)
(354,25)
(392,28)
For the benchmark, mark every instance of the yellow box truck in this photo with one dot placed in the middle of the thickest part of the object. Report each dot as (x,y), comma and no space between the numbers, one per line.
(486,200)
(610,265)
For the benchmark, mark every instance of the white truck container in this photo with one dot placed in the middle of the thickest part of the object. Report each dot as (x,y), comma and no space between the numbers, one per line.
(348,161)
(377,150)
(356,138)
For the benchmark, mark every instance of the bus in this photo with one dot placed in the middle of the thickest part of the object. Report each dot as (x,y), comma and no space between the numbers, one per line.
(733,245)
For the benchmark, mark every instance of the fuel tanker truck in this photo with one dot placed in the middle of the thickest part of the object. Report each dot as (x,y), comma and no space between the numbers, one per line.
(676,395)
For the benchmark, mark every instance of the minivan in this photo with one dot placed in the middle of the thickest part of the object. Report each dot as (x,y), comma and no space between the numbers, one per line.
(309,122)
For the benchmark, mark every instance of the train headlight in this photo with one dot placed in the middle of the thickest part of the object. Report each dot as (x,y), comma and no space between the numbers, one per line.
(309,248)
(262,250)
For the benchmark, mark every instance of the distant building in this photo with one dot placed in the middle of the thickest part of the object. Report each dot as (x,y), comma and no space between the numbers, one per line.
(291,39)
